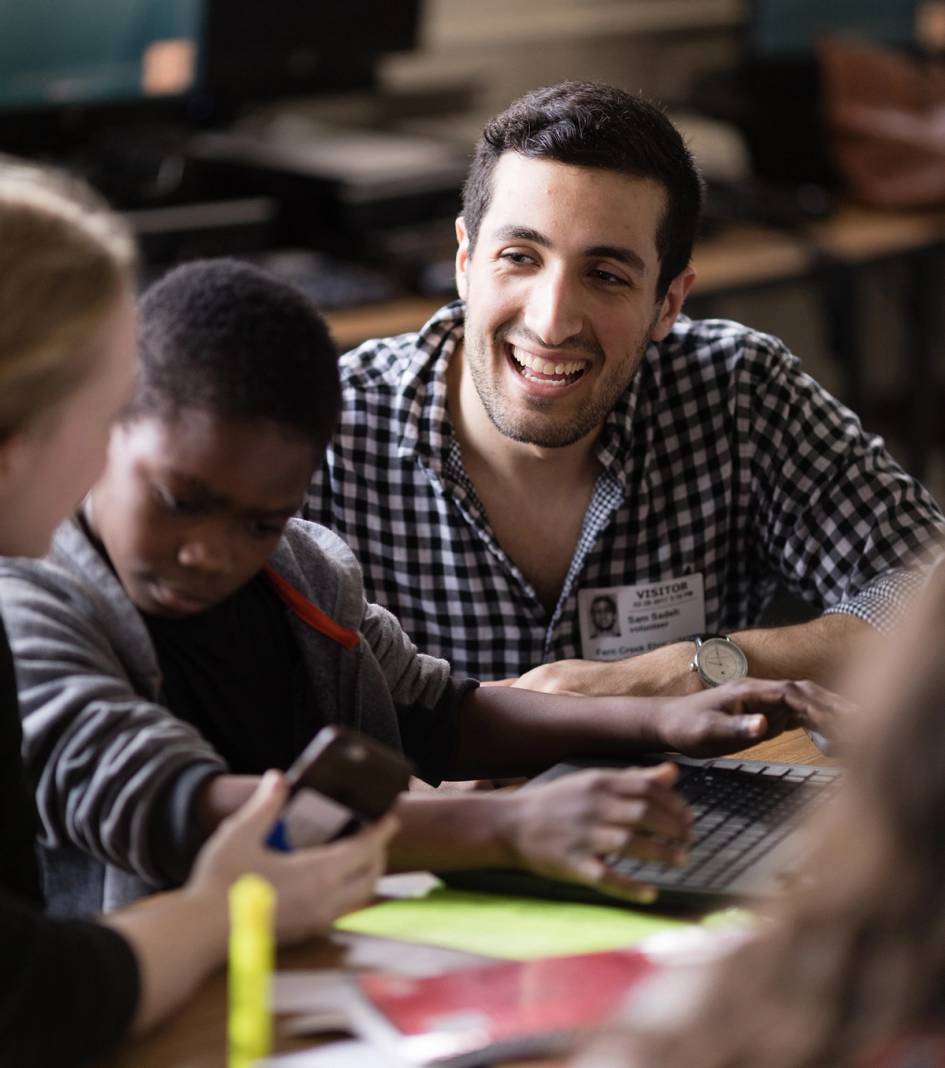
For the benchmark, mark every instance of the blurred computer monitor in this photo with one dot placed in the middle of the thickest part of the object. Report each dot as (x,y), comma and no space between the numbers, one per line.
(114,87)
(66,65)
(780,83)
(778,28)
(263,49)
(73,53)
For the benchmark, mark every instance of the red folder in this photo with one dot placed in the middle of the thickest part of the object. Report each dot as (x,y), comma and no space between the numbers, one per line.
(513,1008)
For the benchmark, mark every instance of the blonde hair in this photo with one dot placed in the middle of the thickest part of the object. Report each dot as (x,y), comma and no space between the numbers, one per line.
(65,258)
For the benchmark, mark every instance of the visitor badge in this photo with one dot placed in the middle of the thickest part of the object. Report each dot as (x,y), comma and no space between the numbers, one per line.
(620,621)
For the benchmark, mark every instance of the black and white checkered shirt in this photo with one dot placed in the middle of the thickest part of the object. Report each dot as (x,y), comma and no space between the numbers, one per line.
(722,459)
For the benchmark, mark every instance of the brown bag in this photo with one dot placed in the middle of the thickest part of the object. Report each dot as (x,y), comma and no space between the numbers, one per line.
(884,122)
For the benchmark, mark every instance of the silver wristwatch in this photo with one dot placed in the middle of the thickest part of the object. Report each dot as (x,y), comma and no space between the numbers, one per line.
(718,659)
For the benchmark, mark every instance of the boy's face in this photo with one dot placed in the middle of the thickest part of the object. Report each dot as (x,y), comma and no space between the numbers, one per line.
(190,509)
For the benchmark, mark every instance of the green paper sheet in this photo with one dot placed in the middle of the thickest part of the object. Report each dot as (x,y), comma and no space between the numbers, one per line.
(515,928)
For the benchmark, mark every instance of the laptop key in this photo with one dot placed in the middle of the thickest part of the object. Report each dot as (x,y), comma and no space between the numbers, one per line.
(741,814)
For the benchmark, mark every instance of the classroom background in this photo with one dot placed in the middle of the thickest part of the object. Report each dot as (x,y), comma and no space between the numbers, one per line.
(328,141)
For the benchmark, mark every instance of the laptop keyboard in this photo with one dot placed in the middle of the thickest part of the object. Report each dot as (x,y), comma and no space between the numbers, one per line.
(741,813)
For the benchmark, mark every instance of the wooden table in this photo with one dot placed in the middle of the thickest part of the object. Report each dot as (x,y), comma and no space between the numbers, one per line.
(195,1036)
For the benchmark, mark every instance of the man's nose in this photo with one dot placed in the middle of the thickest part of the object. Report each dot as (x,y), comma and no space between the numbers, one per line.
(553,312)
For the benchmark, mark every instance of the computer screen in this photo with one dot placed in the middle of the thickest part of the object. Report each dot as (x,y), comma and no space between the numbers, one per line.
(88,53)
(60,53)
(791,27)
(780,77)
(112,87)
(260,49)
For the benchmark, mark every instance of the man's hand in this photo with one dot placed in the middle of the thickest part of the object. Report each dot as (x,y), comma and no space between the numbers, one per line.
(820,710)
(567,829)
(729,717)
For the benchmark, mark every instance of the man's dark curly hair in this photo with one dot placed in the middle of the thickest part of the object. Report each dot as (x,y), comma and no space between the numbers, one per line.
(586,124)
(228,338)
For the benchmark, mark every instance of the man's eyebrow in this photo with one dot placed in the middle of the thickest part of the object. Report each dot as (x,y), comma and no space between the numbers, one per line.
(620,253)
(522,233)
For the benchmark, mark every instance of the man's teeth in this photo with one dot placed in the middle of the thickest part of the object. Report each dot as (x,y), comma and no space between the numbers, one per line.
(546,367)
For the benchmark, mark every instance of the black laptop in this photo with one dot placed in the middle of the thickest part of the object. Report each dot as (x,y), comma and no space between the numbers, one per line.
(746,839)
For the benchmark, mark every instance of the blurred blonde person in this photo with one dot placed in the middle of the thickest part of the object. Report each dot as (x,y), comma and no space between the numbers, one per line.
(849,970)
(68,990)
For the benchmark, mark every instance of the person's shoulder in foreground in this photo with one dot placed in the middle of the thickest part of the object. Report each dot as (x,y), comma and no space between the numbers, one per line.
(566,393)
(845,969)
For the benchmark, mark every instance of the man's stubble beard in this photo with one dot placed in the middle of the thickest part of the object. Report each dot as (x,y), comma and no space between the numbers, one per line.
(535,430)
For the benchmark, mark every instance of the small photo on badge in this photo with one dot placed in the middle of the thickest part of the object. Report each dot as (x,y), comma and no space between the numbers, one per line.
(604,620)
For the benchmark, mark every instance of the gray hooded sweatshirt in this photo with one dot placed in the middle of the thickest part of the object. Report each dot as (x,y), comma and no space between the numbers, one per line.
(115,772)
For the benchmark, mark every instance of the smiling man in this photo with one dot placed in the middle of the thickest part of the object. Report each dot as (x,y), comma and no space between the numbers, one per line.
(563,433)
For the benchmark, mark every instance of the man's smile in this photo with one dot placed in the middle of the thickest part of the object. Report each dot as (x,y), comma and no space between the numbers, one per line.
(557,372)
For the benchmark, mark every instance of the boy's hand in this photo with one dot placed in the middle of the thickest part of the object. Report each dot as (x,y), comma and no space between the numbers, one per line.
(726,718)
(568,829)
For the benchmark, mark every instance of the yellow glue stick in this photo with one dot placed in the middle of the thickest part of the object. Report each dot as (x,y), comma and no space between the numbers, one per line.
(252,903)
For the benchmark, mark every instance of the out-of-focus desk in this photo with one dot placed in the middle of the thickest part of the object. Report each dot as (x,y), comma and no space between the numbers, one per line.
(196,1036)
(828,255)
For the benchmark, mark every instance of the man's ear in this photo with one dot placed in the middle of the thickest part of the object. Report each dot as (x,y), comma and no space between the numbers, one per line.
(672,303)
(462,256)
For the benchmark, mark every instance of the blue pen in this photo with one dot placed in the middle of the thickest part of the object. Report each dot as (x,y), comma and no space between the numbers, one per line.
(278,838)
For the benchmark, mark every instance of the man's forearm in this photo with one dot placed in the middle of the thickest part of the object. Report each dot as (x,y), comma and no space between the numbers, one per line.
(817,650)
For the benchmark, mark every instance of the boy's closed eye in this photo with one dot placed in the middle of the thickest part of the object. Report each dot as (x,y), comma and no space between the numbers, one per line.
(175,504)
(263,529)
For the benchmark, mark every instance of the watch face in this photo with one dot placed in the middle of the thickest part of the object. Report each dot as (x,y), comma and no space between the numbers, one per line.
(721,661)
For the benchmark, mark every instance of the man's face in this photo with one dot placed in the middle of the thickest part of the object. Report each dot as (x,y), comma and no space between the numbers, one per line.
(190,510)
(560,295)
(603,614)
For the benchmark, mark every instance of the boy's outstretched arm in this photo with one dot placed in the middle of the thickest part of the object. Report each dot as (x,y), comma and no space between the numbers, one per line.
(563,830)
(568,827)
(508,731)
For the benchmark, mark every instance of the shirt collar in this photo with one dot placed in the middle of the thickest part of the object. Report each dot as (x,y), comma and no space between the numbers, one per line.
(427,431)
(617,434)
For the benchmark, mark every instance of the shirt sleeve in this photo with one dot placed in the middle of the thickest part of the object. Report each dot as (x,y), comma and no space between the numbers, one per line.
(845,526)
(177,833)
(412,677)
(429,734)
(68,989)
(19,872)
(113,772)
